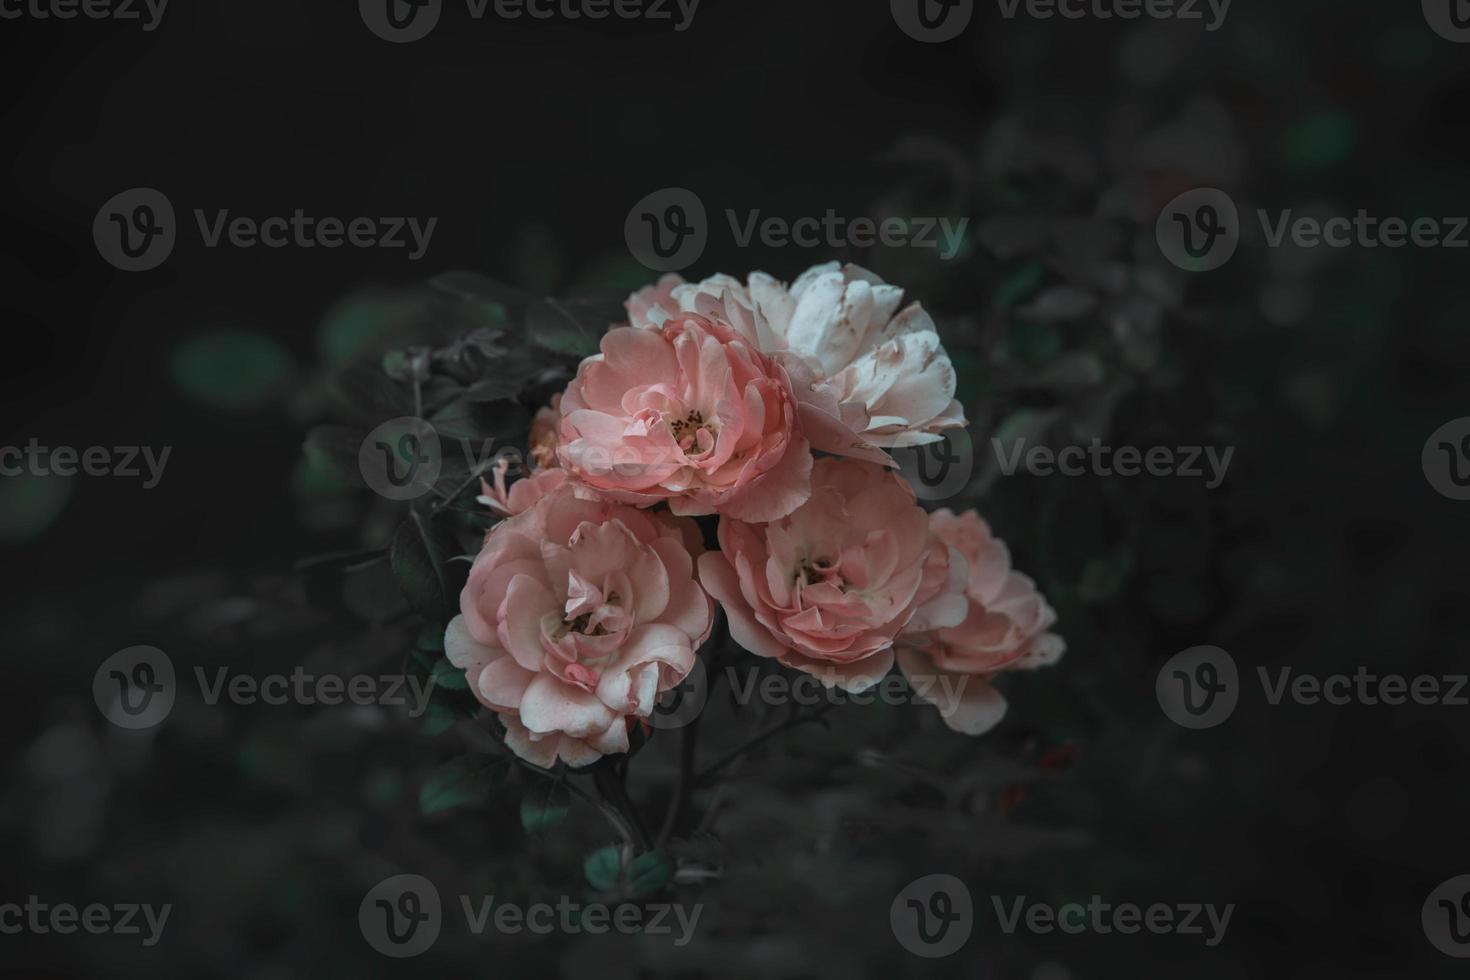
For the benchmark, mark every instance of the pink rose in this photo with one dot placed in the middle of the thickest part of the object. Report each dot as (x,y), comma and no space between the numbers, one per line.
(523,493)
(870,374)
(827,589)
(690,413)
(577,615)
(543,434)
(1005,628)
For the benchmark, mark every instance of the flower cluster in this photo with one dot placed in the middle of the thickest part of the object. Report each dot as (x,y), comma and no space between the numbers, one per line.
(773,409)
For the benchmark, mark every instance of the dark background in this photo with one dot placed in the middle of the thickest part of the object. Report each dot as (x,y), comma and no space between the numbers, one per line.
(1326,548)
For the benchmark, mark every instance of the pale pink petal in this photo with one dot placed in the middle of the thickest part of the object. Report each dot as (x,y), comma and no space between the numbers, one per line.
(549,705)
(719,580)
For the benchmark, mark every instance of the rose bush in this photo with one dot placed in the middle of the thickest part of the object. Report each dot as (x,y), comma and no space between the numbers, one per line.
(590,598)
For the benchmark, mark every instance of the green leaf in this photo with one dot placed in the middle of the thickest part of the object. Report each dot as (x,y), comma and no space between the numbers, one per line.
(372,592)
(541,811)
(439,718)
(29,504)
(231,370)
(372,397)
(1321,141)
(650,873)
(602,868)
(1025,423)
(358,322)
(499,388)
(462,782)
(333,450)
(449,677)
(1104,576)
(422,558)
(464,419)
(1033,344)
(569,326)
(477,288)
(1020,284)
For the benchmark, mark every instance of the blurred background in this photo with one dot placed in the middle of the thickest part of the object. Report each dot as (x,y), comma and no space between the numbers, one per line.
(1325,549)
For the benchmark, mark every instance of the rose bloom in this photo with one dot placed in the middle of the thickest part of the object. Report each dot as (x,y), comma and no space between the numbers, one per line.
(523,493)
(827,589)
(577,615)
(687,412)
(1004,628)
(543,434)
(869,375)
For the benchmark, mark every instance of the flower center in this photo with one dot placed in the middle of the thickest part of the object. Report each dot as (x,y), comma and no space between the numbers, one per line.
(811,571)
(594,622)
(695,436)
